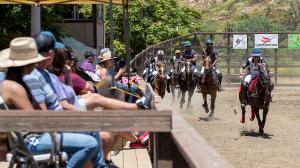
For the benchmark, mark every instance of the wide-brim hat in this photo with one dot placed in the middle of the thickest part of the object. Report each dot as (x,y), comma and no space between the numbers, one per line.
(22,51)
(177,52)
(106,57)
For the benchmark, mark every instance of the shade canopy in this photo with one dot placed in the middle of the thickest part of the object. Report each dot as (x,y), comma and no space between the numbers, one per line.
(49,2)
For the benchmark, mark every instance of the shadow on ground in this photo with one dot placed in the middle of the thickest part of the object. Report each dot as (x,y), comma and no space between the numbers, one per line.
(256,134)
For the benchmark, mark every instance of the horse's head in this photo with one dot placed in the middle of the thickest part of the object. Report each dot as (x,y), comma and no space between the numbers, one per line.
(264,76)
(161,71)
(207,64)
(188,65)
(176,66)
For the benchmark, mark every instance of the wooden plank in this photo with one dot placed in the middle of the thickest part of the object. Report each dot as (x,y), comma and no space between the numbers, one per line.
(108,120)
(4,164)
(143,159)
(130,160)
(196,151)
(118,158)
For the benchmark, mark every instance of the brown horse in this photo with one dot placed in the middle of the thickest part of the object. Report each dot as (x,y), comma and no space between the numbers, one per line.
(159,82)
(259,97)
(187,83)
(209,85)
(174,79)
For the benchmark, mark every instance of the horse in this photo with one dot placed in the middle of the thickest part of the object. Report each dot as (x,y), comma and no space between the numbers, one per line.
(186,81)
(259,96)
(159,82)
(174,79)
(209,85)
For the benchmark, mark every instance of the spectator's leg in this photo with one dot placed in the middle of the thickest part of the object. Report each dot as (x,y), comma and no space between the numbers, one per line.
(95,100)
(80,147)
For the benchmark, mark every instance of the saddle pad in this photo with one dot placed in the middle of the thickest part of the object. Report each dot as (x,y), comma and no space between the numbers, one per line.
(252,84)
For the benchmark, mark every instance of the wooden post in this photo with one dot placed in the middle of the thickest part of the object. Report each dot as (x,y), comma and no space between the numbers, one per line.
(164,149)
(276,65)
(178,160)
(228,56)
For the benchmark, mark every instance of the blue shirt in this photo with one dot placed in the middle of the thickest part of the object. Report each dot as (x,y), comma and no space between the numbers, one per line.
(41,89)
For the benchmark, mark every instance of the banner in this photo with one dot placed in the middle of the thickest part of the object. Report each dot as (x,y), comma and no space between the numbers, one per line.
(294,41)
(239,41)
(266,41)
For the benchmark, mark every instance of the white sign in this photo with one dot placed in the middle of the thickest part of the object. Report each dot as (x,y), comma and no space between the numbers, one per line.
(239,41)
(266,40)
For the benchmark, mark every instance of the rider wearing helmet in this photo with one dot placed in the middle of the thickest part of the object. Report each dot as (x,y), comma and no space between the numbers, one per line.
(153,66)
(177,58)
(189,53)
(148,61)
(212,53)
(252,64)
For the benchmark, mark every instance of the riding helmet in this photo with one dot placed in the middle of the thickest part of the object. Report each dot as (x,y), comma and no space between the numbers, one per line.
(160,52)
(187,43)
(209,41)
(256,52)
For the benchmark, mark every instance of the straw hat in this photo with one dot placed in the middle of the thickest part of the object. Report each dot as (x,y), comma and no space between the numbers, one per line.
(106,56)
(22,51)
(177,52)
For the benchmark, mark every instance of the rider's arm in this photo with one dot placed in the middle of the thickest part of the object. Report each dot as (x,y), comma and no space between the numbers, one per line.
(216,59)
(244,66)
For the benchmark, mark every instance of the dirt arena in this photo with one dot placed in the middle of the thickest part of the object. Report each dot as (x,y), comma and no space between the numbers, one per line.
(240,144)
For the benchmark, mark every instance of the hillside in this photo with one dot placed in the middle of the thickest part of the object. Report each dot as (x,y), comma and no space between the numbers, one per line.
(229,12)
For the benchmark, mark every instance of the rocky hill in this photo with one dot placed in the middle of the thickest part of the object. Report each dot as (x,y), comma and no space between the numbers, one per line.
(229,12)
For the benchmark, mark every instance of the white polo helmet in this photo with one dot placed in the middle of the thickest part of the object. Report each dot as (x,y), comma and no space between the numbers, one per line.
(160,52)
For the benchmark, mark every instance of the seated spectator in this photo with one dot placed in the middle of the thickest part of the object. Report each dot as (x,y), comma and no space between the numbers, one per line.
(21,59)
(87,64)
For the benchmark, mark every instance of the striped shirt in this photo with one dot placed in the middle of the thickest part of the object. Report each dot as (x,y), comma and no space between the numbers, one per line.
(39,83)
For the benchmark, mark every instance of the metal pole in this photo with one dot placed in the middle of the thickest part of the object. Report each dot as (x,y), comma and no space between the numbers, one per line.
(126,27)
(112,41)
(35,20)
(95,18)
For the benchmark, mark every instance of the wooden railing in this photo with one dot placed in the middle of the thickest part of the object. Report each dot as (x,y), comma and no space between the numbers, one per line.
(173,142)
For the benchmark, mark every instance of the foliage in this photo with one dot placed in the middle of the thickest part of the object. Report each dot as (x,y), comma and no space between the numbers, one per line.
(153,21)
(258,24)
(15,21)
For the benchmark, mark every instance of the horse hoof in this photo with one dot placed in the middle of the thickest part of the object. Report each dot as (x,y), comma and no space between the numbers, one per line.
(261,131)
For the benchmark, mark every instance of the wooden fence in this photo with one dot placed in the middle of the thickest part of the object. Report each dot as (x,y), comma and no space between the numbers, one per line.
(283,62)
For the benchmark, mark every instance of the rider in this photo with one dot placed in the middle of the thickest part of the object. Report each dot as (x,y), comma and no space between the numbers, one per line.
(212,53)
(189,53)
(177,58)
(157,60)
(253,71)
(148,61)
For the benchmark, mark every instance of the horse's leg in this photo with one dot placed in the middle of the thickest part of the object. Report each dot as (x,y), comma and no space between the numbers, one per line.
(173,92)
(256,110)
(204,105)
(182,99)
(191,92)
(178,94)
(212,105)
(265,113)
(243,109)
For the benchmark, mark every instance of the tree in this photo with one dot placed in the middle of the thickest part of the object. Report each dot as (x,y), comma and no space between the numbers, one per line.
(153,21)
(258,24)
(15,21)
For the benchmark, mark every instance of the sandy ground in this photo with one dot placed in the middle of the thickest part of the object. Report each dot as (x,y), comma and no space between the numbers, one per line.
(240,143)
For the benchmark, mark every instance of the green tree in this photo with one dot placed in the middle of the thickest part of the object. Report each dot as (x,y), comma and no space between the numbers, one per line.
(258,24)
(153,21)
(15,21)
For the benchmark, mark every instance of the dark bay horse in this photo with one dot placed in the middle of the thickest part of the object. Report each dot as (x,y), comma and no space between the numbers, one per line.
(209,86)
(187,82)
(259,96)
(174,79)
(159,82)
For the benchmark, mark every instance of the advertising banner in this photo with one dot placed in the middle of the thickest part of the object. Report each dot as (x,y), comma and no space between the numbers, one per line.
(239,41)
(266,41)
(294,41)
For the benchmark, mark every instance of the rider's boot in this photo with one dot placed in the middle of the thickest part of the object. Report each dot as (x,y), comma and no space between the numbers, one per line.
(168,85)
(220,77)
(244,94)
